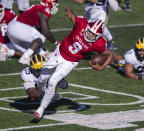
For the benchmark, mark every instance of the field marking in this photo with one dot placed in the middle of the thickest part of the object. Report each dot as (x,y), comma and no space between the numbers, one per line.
(29,127)
(91,121)
(139,101)
(8,89)
(110,26)
(103,121)
(19,73)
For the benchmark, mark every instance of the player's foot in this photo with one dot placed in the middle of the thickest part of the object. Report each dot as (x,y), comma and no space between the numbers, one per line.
(56,97)
(39,113)
(24,60)
(3,52)
(63,84)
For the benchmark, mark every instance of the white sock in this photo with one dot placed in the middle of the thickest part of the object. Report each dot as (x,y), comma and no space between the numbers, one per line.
(29,52)
(42,52)
(11,53)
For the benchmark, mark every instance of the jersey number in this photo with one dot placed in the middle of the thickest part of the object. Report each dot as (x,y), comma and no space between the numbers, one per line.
(76,47)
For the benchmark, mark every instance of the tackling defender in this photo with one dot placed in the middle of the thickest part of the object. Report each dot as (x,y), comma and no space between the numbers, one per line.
(23,30)
(31,74)
(83,38)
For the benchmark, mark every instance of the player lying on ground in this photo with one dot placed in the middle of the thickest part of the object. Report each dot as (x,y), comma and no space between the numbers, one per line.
(132,65)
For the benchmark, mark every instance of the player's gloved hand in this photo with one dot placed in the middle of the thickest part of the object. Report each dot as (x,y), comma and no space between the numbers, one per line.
(140,77)
(96,66)
(63,84)
(57,43)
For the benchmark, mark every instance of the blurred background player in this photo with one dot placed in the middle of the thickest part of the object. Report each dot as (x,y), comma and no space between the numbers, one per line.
(98,9)
(6,48)
(23,5)
(82,39)
(30,76)
(28,31)
(127,5)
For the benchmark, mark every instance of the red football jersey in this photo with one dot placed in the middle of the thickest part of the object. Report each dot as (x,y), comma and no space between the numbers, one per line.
(8,16)
(74,47)
(30,16)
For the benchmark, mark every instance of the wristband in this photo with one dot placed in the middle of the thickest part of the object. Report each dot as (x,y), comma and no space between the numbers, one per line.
(139,77)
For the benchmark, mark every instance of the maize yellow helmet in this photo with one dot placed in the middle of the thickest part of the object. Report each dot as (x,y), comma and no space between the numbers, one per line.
(36,64)
(139,47)
(140,44)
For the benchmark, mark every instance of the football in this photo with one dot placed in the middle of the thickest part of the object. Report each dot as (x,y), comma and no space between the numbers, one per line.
(98,59)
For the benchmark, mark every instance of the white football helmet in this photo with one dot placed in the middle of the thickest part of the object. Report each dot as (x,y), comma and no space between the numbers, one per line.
(52,4)
(94,28)
(1,12)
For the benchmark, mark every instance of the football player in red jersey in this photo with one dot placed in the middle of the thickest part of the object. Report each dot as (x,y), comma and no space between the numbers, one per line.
(83,38)
(23,32)
(6,48)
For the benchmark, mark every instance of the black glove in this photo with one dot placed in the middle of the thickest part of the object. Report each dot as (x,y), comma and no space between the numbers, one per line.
(63,84)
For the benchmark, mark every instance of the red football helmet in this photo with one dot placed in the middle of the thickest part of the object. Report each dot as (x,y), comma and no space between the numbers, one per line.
(1,12)
(52,4)
(93,31)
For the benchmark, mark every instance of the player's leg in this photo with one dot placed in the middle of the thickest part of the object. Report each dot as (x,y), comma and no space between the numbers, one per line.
(8,50)
(106,33)
(127,5)
(61,71)
(23,5)
(7,4)
(21,38)
(114,5)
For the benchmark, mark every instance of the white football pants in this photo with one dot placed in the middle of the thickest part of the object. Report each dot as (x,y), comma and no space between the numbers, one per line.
(21,35)
(55,69)
(22,4)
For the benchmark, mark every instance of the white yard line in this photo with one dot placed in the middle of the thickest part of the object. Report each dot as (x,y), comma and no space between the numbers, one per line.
(16,88)
(29,127)
(139,101)
(110,26)
(15,74)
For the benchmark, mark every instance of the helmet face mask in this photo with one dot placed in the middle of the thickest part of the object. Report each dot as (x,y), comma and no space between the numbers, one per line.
(1,12)
(52,4)
(139,49)
(36,64)
(93,31)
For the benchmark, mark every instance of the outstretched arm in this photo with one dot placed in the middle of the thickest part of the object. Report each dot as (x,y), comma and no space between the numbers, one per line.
(85,1)
(70,14)
(79,1)
(130,74)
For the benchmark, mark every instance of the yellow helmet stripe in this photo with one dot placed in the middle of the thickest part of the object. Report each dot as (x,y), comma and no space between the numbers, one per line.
(32,61)
(41,59)
(36,58)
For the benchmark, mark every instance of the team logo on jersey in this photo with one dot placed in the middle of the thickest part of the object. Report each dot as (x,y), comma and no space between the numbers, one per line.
(47,10)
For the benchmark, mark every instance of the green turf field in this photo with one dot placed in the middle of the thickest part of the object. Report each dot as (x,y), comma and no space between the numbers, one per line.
(114,102)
